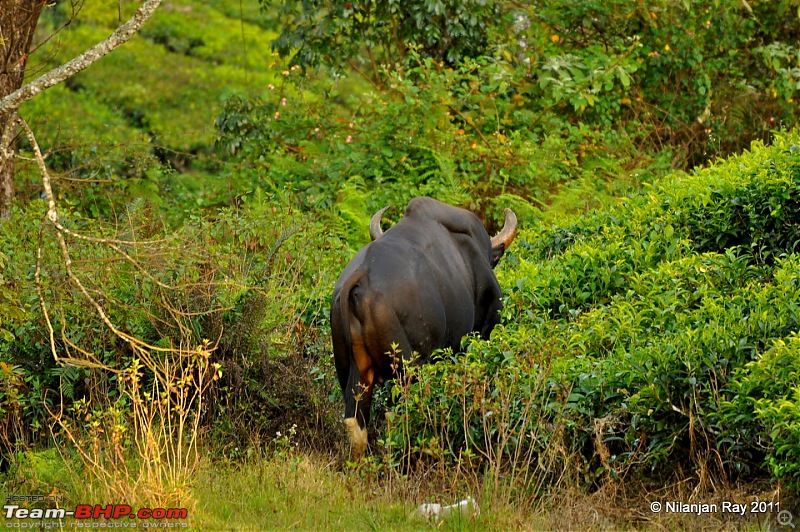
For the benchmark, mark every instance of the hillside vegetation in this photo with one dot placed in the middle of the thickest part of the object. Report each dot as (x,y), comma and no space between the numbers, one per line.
(174,348)
(655,336)
(141,123)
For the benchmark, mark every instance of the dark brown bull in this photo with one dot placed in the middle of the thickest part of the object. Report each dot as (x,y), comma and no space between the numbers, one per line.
(421,286)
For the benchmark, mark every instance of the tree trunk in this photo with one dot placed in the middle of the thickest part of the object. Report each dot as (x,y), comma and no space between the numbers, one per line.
(18,20)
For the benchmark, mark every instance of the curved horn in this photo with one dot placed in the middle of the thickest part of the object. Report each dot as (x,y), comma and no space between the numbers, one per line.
(375,231)
(507,233)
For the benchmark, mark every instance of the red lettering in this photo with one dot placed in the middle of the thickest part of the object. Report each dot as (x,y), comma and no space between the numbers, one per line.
(144,513)
(106,512)
(83,511)
(177,513)
(121,510)
(159,513)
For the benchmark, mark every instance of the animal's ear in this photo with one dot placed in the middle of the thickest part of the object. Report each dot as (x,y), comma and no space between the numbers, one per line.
(497,254)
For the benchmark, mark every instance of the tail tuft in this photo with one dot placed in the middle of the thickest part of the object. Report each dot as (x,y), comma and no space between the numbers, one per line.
(358,437)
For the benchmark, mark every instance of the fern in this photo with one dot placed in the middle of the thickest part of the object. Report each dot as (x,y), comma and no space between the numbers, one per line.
(351,214)
(444,184)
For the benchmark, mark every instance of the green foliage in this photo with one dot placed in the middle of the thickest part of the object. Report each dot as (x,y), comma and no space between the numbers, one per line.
(565,106)
(139,124)
(334,33)
(11,312)
(200,48)
(658,334)
(765,409)
(434,131)
(757,212)
(45,471)
(686,80)
(12,397)
(702,76)
(645,347)
(245,281)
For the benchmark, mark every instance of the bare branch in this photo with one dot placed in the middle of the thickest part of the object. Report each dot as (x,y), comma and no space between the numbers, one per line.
(69,69)
(52,217)
(38,280)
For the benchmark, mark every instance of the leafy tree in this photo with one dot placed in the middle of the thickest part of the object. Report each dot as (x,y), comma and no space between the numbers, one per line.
(705,78)
(339,33)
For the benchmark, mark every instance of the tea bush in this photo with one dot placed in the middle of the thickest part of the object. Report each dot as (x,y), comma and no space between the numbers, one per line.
(141,123)
(635,343)
(779,415)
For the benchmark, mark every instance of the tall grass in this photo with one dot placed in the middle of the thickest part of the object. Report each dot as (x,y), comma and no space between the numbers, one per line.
(143,447)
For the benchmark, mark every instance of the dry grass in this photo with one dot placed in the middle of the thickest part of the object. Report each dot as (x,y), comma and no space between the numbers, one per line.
(143,448)
(289,487)
(314,491)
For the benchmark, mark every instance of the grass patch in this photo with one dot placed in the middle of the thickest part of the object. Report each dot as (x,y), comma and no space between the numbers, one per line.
(279,490)
(302,492)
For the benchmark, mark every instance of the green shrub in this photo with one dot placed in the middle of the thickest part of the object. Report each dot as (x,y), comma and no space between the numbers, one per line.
(640,349)
(244,281)
(454,133)
(757,211)
(705,78)
(335,32)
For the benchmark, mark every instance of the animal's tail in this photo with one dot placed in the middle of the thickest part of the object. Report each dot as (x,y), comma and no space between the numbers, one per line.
(369,327)
(355,390)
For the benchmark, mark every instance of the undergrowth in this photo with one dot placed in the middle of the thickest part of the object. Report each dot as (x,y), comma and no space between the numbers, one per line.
(643,352)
